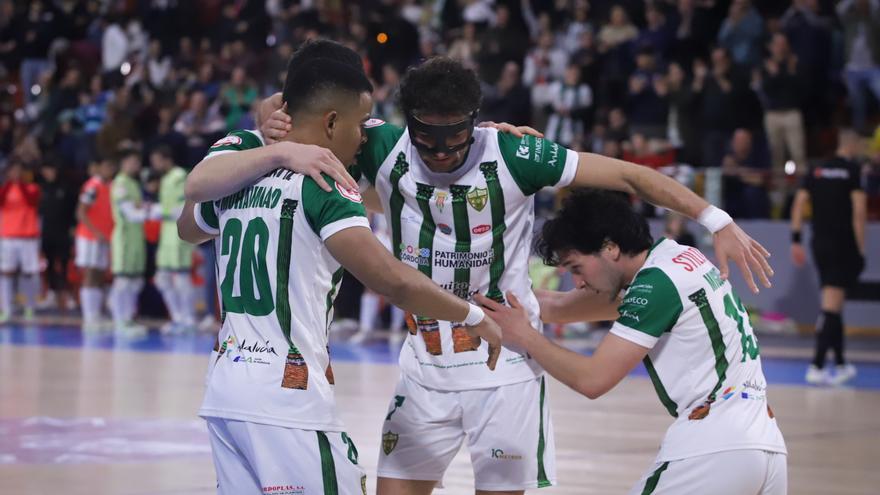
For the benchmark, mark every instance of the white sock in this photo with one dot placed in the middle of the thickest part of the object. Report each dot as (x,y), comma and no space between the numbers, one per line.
(90,299)
(6,294)
(186,294)
(165,284)
(30,285)
(132,291)
(369,311)
(116,301)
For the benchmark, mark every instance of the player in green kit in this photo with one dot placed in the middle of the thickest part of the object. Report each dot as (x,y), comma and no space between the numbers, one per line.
(127,245)
(459,202)
(173,256)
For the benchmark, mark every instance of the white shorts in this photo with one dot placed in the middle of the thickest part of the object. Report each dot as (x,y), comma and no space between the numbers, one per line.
(20,254)
(92,254)
(733,472)
(273,460)
(508,429)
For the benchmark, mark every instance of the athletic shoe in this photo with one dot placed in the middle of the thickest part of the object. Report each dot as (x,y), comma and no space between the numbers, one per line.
(817,376)
(359,337)
(131,331)
(48,302)
(843,373)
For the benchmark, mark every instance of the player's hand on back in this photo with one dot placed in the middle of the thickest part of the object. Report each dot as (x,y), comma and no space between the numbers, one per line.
(518,131)
(312,160)
(277,125)
(513,320)
(489,331)
(732,243)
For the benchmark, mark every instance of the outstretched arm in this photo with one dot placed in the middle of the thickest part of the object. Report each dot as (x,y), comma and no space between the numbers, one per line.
(731,242)
(358,250)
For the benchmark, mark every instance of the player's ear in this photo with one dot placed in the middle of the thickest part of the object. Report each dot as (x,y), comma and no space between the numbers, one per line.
(331,121)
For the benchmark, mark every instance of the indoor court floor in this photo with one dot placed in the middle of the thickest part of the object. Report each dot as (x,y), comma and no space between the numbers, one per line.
(96,415)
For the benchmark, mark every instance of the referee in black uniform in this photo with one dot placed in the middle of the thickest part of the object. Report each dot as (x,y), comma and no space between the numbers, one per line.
(838,245)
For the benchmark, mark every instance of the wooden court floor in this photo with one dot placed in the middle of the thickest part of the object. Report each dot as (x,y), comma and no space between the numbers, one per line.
(115,421)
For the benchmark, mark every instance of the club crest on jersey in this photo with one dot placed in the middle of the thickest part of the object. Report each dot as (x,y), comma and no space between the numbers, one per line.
(227,141)
(352,195)
(389,441)
(373,123)
(478,197)
(440,199)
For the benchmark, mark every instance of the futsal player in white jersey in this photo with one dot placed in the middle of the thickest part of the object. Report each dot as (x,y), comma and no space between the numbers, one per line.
(459,202)
(685,324)
(281,245)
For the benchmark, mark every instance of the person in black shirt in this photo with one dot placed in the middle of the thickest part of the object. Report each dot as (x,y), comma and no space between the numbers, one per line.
(838,245)
(57,209)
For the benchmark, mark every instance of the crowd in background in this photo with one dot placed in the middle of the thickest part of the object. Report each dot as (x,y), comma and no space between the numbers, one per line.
(751,89)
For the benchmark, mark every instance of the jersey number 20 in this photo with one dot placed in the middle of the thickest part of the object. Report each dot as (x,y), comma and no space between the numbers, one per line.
(255,291)
(735,310)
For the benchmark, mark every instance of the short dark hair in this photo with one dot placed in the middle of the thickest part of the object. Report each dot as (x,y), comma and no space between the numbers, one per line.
(324,48)
(589,218)
(307,85)
(164,151)
(441,86)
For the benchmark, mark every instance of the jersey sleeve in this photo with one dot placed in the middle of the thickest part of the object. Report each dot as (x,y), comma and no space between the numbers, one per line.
(238,140)
(206,217)
(381,139)
(650,307)
(89,193)
(536,163)
(331,212)
(855,178)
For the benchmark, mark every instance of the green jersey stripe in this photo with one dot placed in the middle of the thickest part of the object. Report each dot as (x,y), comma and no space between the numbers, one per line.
(429,227)
(701,300)
(328,467)
(667,402)
(496,203)
(651,483)
(462,227)
(401,167)
(543,481)
(331,294)
(285,243)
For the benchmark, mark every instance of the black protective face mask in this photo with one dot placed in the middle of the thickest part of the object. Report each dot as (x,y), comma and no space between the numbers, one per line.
(440,134)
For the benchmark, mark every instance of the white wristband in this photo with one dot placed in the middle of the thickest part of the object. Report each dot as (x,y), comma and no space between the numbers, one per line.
(475,315)
(714,219)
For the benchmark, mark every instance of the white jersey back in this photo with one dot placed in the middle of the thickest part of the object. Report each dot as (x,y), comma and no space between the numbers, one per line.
(704,360)
(277,285)
(470,231)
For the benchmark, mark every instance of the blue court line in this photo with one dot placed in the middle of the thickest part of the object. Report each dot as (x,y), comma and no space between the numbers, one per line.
(777,370)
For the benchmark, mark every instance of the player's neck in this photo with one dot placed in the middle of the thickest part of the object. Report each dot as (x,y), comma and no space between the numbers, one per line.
(632,264)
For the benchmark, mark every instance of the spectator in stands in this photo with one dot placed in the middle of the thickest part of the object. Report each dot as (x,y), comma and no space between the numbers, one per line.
(647,108)
(571,100)
(237,98)
(617,32)
(810,37)
(501,43)
(742,33)
(861,31)
(780,81)
(657,33)
(508,100)
(745,179)
(466,48)
(544,64)
(838,244)
(57,212)
(696,29)
(159,66)
(650,153)
(717,93)
(683,128)
(201,124)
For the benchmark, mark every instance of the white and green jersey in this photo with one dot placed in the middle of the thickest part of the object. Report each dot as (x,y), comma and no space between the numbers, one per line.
(704,360)
(128,243)
(470,231)
(173,253)
(277,285)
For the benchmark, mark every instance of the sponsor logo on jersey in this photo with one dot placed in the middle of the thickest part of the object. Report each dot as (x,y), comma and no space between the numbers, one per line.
(831,173)
(445,228)
(227,141)
(389,441)
(440,199)
(256,348)
(638,301)
(499,454)
(460,289)
(352,195)
(284,490)
(522,151)
(373,123)
(452,259)
(481,229)
(478,197)
(630,315)
(690,259)
(419,256)
(554,155)
(641,288)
